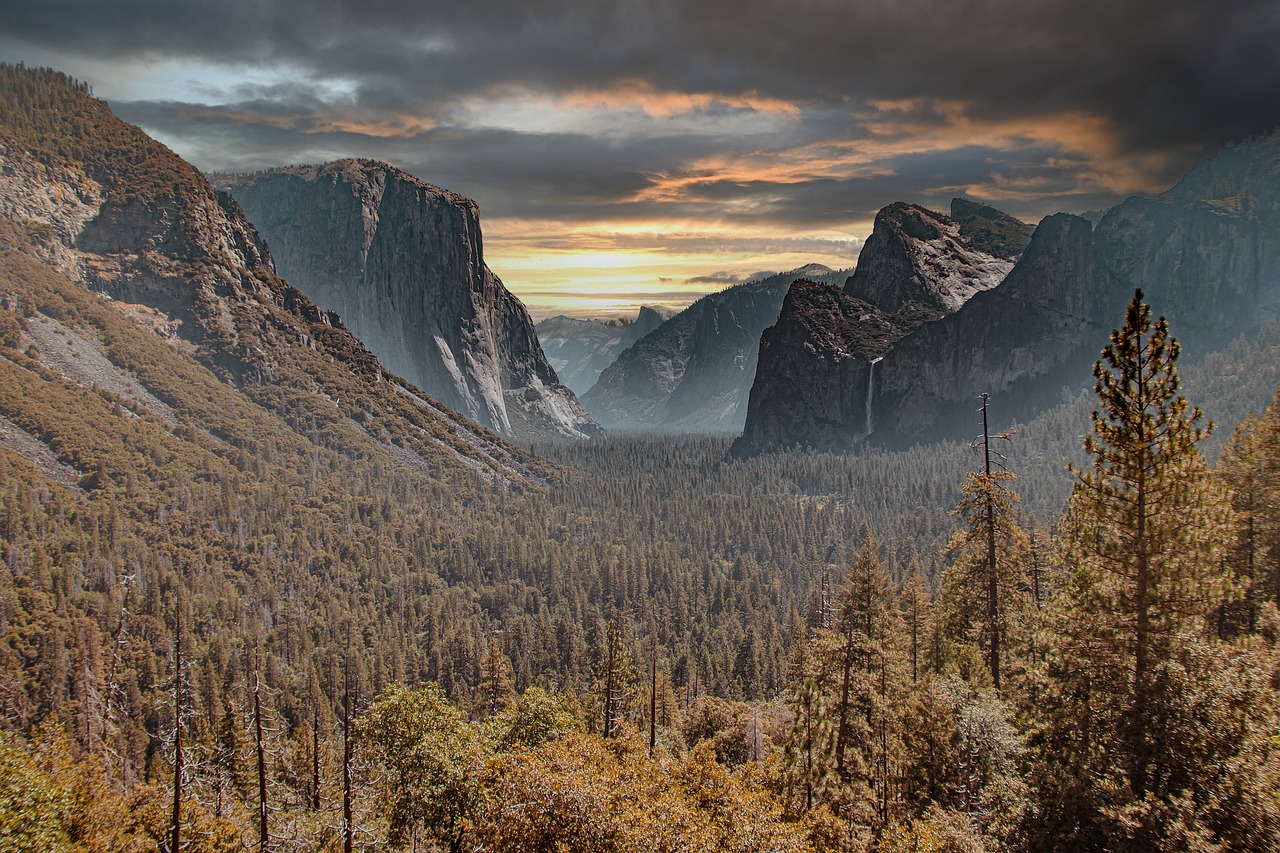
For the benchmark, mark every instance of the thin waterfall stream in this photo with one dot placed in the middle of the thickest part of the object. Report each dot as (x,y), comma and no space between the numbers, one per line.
(871,377)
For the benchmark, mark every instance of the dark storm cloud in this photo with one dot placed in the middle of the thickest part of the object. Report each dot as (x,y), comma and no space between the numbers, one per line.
(1180,71)
(1165,80)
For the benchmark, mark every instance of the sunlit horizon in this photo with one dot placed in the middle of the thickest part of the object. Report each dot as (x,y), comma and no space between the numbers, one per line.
(611,270)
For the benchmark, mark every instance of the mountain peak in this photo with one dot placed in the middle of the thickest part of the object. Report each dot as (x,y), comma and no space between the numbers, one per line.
(919,260)
(196,314)
(401,261)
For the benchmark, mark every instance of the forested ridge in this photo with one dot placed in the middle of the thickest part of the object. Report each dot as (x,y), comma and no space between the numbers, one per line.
(359,635)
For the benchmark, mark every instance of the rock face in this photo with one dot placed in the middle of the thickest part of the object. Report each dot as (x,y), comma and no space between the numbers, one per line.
(402,263)
(580,350)
(694,373)
(108,208)
(923,262)
(818,366)
(1206,254)
(825,345)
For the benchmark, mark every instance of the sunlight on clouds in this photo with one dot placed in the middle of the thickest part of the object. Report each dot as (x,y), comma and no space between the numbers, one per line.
(665,103)
(623,110)
(896,129)
(924,125)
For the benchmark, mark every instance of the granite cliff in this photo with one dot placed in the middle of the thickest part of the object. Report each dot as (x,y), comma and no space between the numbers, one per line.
(402,263)
(922,263)
(581,349)
(1206,254)
(694,372)
(818,364)
(92,206)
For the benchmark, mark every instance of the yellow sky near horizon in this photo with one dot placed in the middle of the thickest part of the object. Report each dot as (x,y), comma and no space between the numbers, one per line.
(611,270)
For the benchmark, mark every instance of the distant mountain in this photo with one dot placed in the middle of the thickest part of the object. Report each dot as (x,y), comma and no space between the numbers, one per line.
(693,373)
(1206,254)
(916,267)
(191,323)
(402,263)
(580,350)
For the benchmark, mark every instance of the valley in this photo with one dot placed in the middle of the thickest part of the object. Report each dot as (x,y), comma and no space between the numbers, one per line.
(307,547)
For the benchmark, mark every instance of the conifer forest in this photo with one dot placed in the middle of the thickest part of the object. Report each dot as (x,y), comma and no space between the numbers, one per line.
(259,594)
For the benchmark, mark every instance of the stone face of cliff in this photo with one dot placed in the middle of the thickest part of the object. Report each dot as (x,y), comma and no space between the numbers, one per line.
(1206,255)
(818,369)
(98,204)
(918,260)
(580,350)
(1048,320)
(402,263)
(694,373)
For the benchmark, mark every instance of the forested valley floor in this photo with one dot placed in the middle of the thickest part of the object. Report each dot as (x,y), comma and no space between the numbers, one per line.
(645,646)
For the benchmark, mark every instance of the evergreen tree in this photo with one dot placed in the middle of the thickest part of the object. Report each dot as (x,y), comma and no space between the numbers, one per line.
(809,753)
(1250,465)
(1145,710)
(496,689)
(867,658)
(1147,524)
(984,583)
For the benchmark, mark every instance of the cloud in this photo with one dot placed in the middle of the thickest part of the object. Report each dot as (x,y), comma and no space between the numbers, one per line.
(1159,72)
(671,127)
(724,277)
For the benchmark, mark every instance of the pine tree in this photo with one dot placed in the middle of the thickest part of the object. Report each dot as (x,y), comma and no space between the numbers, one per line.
(984,584)
(1250,465)
(916,614)
(809,753)
(1149,718)
(867,673)
(1147,522)
(496,689)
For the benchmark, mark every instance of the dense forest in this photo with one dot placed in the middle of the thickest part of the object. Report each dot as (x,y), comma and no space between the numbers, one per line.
(278,601)
(882,652)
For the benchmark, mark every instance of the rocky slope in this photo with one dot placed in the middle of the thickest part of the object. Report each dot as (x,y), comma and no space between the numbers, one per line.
(94,204)
(817,368)
(916,259)
(694,372)
(402,263)
(580,349)
(1206,255)
(825,344)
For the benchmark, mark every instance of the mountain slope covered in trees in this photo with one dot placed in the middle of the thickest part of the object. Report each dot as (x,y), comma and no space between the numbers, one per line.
(374,623)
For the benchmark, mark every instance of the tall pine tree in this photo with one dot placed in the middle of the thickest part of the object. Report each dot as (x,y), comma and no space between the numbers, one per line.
(1146,709)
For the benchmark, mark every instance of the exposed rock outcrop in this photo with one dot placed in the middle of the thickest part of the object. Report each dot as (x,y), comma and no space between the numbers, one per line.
(1206,254)
(402,263)
(825,345)
(87,199)
(580,349)
(921,262)
(694,373)
(817,375)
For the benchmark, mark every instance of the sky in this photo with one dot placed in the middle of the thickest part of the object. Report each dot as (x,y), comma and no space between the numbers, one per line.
(630,152)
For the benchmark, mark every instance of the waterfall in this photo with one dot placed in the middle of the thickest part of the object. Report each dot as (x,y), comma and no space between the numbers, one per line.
(871,378)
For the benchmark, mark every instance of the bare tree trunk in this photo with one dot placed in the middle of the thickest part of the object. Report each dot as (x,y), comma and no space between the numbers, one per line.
(610,678)
(315,757)
(993,583)
(264,836)
(347,829)
(175,843)
(653,693)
